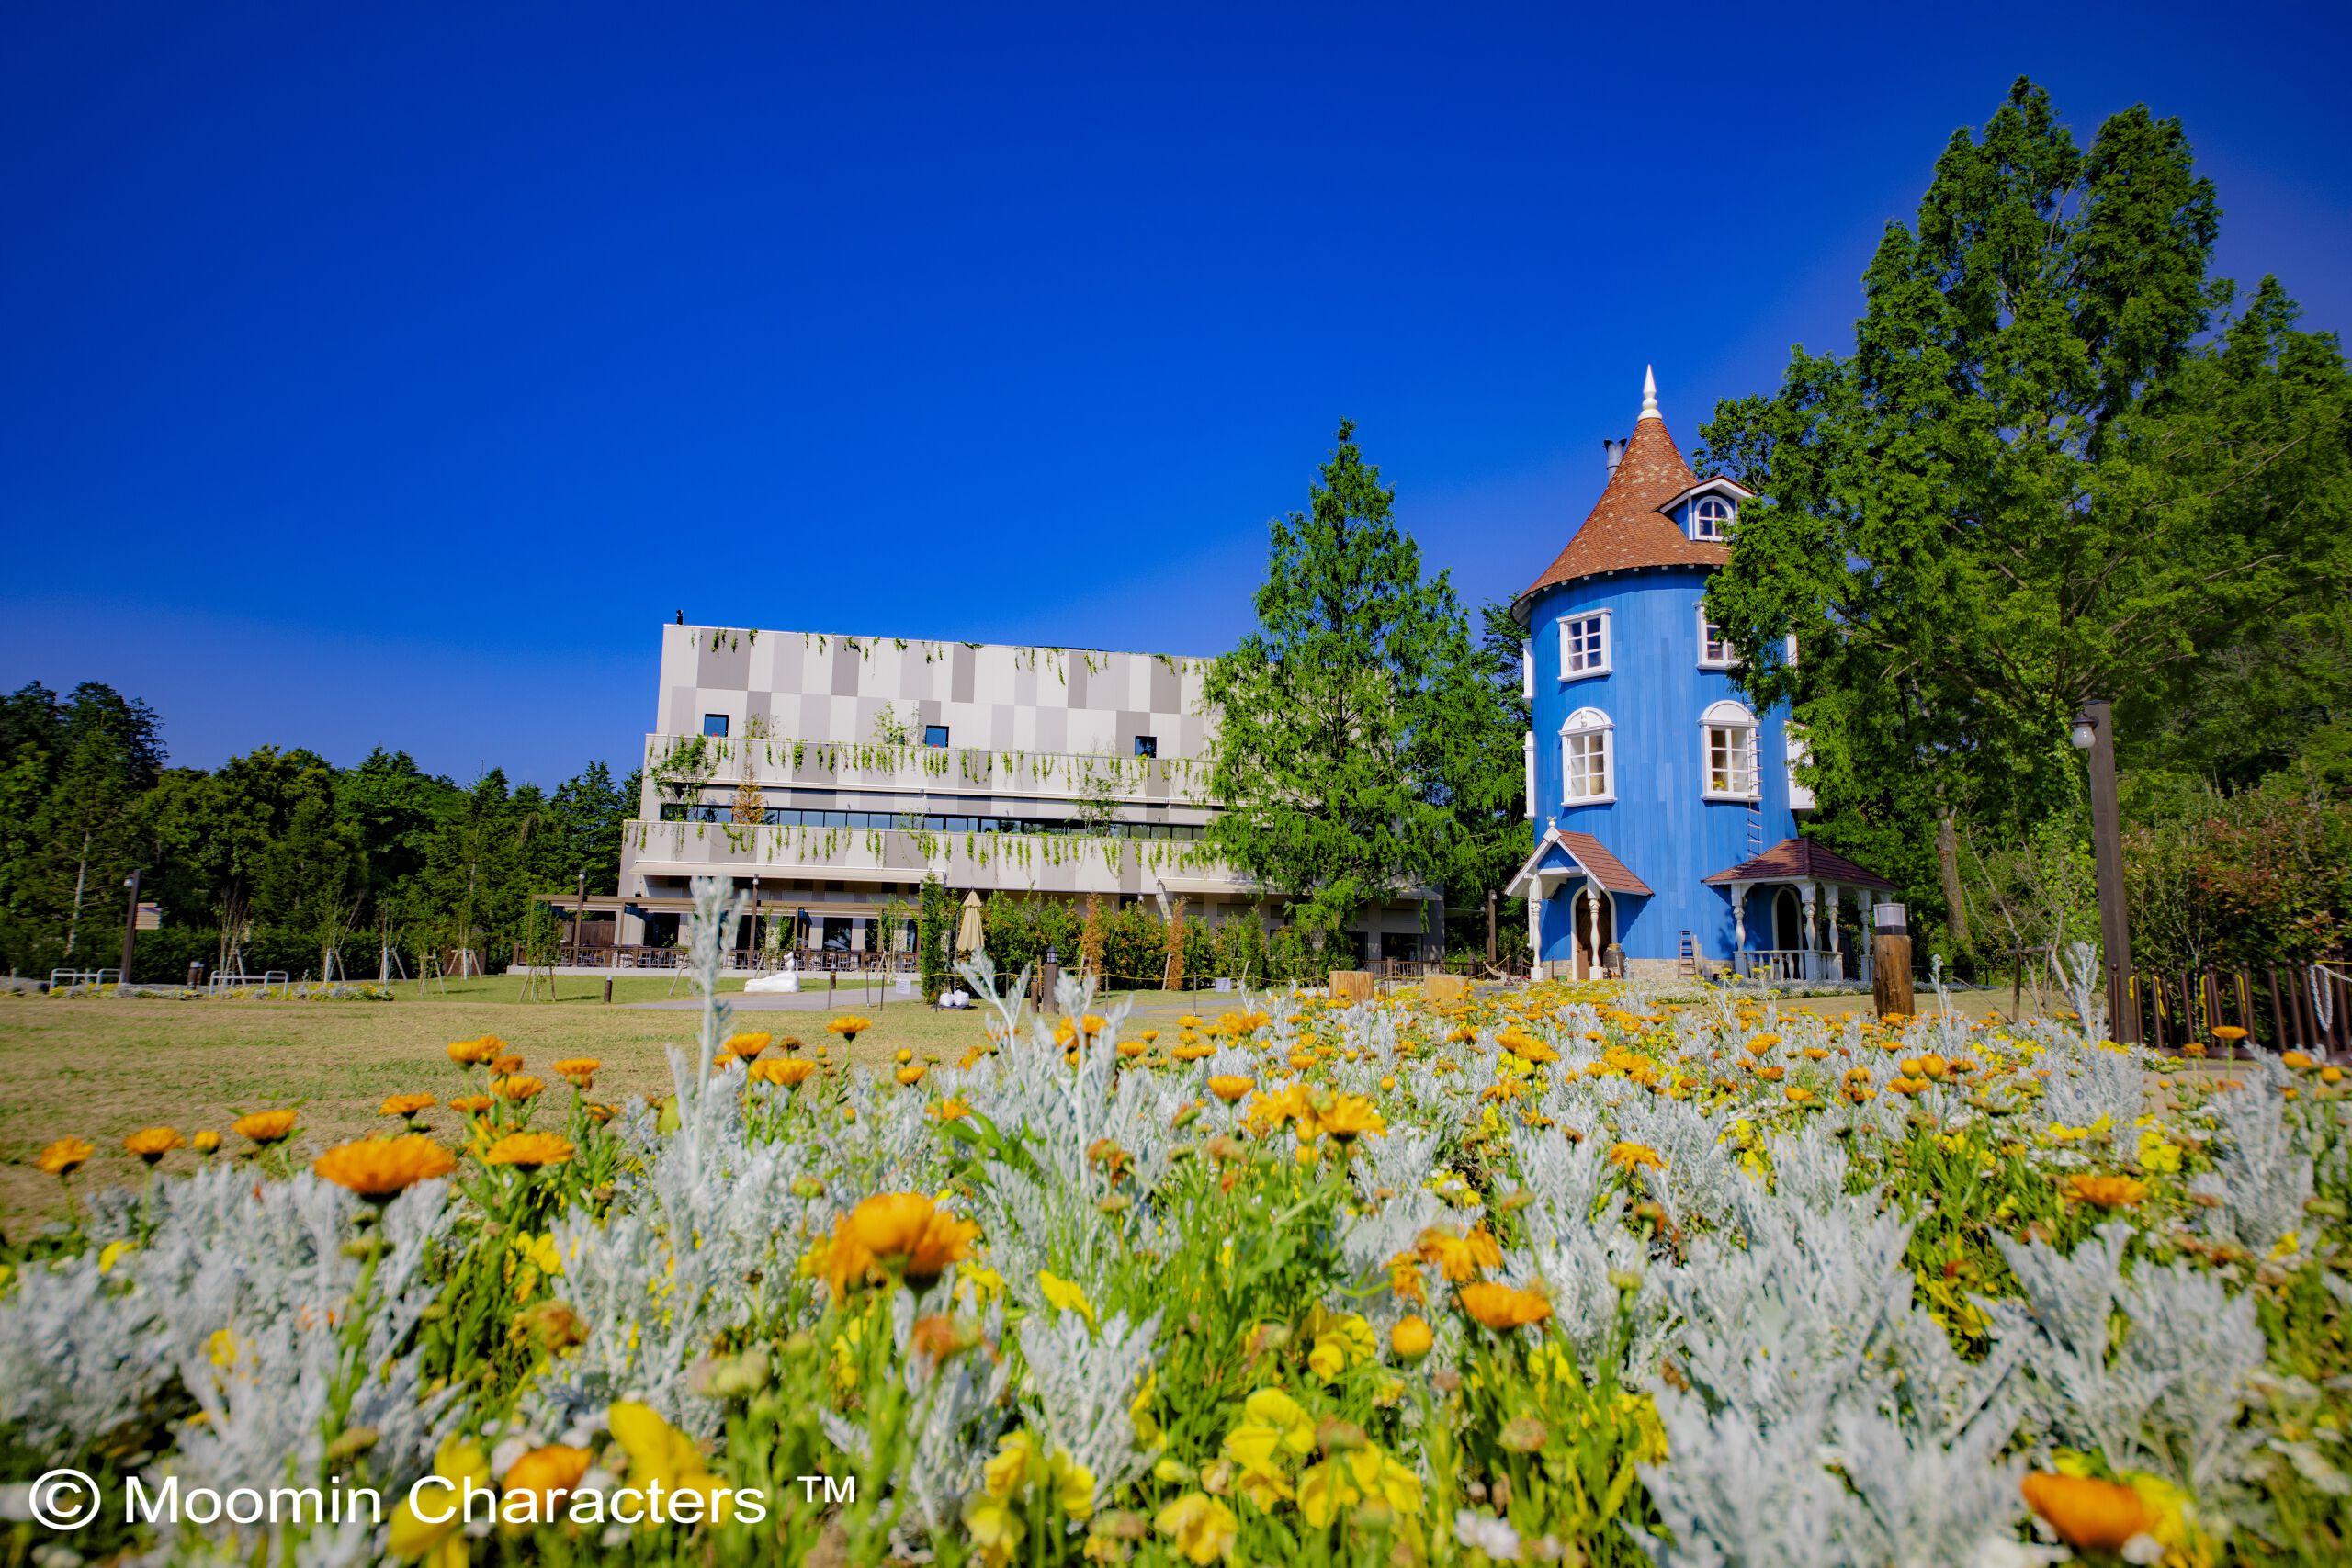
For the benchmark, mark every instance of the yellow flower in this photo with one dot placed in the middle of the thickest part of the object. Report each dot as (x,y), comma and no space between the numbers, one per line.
(1411,1337)
(474,1053)
(2106,1191)
(901,1231)
(1065,1295)
(2157,1153)
(471,1104)
(457,1463)
(549,1473)
(580,1072)
(1626,1156)
(1231,1086)
(1460,1257)
(152,1143)
(529,1150)
(1350,1116)
(1501,1307)
(206,1141)
(910,1076)
(65,1156)
(745,1046)
(1203,1527)
(111,1254)
(407,1106)
(785,1072)
(516,1088)
(264,1127)
(378,1168)
(849,1026)
(1273,1425)
(660,1453)
(2088,1514)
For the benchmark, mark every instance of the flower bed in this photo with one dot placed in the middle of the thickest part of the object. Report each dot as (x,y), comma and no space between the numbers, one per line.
(1551,1275)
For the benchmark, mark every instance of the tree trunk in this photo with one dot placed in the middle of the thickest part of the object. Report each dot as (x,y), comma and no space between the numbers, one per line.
(1948,870)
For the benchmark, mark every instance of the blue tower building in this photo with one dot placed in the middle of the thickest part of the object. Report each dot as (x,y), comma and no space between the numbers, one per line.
(1664,806)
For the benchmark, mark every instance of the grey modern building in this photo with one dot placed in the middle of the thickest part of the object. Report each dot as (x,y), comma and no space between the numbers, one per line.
(829,774)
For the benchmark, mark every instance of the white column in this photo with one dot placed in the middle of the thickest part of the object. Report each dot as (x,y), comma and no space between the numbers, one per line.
(1808,892)
(1837,942)
(1739,923)
(1589,951)
(1536,932)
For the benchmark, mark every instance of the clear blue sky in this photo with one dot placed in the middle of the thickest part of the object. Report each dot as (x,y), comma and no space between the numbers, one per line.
(388,374)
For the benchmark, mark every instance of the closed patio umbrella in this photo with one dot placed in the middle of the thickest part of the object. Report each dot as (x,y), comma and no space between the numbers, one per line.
(967,930)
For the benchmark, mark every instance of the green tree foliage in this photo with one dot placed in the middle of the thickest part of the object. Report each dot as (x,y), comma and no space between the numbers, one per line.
(936,917)
(276,859)
(1362,748)
(2062,462)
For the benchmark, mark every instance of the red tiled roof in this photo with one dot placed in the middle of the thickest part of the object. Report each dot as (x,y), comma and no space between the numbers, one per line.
(1600,865)
(1800,860)
(1626,529)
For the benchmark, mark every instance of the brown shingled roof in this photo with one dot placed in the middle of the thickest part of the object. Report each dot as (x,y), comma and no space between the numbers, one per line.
(1800,860)
(1626,529)
(1600,865)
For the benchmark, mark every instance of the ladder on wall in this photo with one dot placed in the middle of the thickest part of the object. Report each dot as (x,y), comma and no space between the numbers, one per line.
(1755,832)
(1686,961)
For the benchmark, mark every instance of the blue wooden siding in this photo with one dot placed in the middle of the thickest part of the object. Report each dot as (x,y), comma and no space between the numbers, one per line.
(1660,824)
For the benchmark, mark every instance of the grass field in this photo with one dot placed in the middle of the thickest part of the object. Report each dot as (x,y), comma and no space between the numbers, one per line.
(102,1068)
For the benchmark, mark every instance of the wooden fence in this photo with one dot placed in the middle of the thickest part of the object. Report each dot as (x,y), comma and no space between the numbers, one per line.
(2281,1007)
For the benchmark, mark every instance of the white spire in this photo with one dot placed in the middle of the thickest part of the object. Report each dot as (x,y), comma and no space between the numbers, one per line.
(1649,392)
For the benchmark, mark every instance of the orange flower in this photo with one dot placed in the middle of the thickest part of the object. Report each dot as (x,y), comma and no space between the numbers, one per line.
(505,1066)
(955,1109)
(901,1231)
(1460,1257)
(517,1088)
(1634,1157)
(206,1141)
(910,1076)
(849,1026)
(578,1071)
(1411,1337)
(474,1053)
(746,1046)
(1231,1086)
(152,1143)
(65,1156)
(548,1473)
(264,1127)
(783,1071)
(529,1150)
(2229,1033)
(471,1104)
(378,1168)
(2106,1191)
(2089,1514)
(407,1106)
(1350,1116)
(1500,1306)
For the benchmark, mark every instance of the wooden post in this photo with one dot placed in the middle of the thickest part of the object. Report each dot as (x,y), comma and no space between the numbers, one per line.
(1491,928)
(1891,961)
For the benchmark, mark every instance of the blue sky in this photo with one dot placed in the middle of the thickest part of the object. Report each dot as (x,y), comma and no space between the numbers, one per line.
(387,374)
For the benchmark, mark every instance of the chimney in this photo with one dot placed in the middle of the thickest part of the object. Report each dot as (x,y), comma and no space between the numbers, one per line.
(1611,454)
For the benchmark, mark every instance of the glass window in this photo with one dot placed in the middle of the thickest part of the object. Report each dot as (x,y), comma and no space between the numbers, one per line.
(714,724)
(1712,648)
(1730,738)
(1711,518)
(1585,773)
(1146,745)
(935,735)
(1584,645)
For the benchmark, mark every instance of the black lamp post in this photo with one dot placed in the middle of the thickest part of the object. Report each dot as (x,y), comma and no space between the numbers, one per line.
(2094,733)
(130,925)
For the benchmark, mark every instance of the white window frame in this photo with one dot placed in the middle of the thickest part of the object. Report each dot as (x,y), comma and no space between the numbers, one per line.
(1607,646)
(1727,659)
(1527,677)
(1708,529)
(1730,715)
(1527,744)
(1596,725)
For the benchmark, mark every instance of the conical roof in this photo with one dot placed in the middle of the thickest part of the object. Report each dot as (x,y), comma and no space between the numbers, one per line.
(1626,530)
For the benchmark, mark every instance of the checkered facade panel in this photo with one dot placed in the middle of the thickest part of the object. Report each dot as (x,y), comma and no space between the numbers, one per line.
(816,687)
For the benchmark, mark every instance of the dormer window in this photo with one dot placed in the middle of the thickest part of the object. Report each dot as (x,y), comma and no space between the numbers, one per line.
(1712,517)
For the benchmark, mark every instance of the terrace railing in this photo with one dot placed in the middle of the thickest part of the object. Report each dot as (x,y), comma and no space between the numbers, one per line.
(2281,1007)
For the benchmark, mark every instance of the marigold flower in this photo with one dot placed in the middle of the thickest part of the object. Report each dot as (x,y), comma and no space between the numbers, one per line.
(407,1106)
(1349,1116)
(505,1066)
(471,1104)
(264,1127)
(746,1046)
(1500,1306)
(64,1156)
(379,1168)
(953,1108)
(910,1076)
(1411,1338)
(2106,1191)
(1627,1156)
(1458,1256)
(578,1071)
(206,1141)
(2228,1032)
(785,1072)
(901,1231)
(849,1026)
(1231,1086)
(549,1473)
(518,1088)
(2088,1514)
(474,1053)
(152,1143)
(529,1150)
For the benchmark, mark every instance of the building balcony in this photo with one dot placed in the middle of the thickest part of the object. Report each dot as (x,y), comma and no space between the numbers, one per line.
(682,765)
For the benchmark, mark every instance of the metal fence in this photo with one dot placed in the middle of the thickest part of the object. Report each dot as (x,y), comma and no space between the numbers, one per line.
(2281,1007)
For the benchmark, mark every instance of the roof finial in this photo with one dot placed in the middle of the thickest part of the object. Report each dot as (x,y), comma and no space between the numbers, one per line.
(1649,394)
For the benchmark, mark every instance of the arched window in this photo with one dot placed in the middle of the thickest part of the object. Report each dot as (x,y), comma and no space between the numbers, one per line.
(1588,761)
(1728,747)
(1712,517)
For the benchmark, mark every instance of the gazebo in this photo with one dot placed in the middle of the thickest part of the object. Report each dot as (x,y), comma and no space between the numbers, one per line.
(1803,876)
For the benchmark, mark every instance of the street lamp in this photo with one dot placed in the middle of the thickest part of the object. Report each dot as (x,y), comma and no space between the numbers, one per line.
(2094,733)
(129,924)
